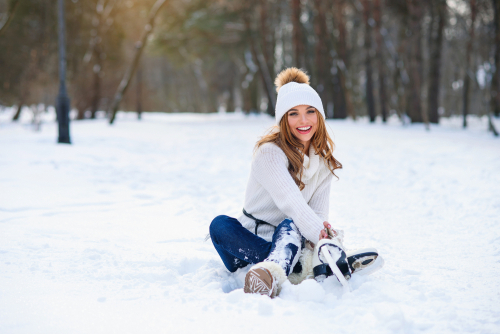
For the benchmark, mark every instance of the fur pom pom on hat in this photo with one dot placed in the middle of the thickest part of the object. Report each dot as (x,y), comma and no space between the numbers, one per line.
(292,85)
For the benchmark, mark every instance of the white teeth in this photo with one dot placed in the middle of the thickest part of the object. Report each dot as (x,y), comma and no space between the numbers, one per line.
(304,129)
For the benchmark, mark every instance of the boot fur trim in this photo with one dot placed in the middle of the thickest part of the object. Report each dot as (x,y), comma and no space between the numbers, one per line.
(279,275)
(306,259)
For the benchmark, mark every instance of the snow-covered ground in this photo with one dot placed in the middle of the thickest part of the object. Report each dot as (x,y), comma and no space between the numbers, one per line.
(106,235)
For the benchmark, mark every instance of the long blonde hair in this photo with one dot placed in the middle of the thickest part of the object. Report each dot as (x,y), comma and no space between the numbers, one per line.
(283,137)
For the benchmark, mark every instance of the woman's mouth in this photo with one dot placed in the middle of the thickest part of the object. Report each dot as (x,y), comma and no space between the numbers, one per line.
(304,130)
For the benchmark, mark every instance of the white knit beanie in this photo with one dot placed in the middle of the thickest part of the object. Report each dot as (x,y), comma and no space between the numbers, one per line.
(294,94)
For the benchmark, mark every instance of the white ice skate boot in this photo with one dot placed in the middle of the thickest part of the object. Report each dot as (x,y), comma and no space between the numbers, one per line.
(329,258)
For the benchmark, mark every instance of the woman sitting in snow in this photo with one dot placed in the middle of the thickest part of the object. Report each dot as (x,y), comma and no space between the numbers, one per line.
(287,197)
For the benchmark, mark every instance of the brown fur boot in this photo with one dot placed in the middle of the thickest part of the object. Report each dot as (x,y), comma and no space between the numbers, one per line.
(264,278)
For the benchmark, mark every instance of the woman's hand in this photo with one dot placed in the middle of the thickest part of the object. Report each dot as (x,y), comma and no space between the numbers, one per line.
(323,234)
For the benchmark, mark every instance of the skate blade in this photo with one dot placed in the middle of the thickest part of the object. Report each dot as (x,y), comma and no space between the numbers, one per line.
(371,267)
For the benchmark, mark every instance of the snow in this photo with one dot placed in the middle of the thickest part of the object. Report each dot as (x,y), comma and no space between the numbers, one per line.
(106,235)
(283,252)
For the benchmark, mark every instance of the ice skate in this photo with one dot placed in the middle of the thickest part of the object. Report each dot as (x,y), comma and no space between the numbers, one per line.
(360,262)
(329,258)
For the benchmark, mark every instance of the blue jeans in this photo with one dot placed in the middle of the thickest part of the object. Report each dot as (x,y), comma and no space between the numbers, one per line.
(238,247)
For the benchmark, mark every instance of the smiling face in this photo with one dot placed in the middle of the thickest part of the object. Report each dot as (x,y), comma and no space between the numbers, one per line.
(303,122)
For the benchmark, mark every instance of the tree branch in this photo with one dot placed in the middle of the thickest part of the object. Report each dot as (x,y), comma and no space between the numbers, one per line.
(6,21)
(139,47)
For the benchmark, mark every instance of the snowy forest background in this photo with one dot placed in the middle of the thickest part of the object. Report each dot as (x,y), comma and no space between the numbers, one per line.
(107,235)
(419,60)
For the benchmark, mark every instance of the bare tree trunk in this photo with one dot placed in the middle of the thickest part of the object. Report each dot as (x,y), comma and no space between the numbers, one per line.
(139,46)
(96,69)
(298,37)
(343,63)
(80,114)
(266,36)
(320,49)
(491,125)
(267,60)
(377,16)
(338,96)
(436,37)
(401,78)
(24,93)
(495,81)
(237,81)
(468,56)
(230,97)
(346,89)
(415,58)
(36,121)
(9,16)
(370,100)
(139,92)
(102,12)
(323,60)
(336,78)
(96,87)
(339,21)
(204,104)
(81,104)
(250,96)
(262,66)
(18,112)
(415,110)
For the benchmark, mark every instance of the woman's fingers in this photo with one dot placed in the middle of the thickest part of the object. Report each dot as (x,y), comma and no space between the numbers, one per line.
(323,234)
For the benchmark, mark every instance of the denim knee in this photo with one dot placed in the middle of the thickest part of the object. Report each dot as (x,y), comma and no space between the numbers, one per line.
(289,225)
(216,226)
(288,222)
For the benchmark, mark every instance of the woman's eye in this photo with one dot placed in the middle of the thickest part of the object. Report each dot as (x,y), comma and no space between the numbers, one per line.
(311,111)
(293,114)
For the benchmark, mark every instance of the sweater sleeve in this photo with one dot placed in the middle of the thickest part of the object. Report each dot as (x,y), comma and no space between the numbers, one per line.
(270,170)
(320,200)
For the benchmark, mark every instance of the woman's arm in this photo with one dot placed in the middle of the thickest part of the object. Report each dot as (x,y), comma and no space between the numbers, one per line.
(320,200)
(270,170)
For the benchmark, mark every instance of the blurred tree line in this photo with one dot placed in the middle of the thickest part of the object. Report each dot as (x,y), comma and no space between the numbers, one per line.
(417,59)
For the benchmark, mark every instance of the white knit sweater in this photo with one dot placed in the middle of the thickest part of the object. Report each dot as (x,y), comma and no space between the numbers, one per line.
(272,195)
